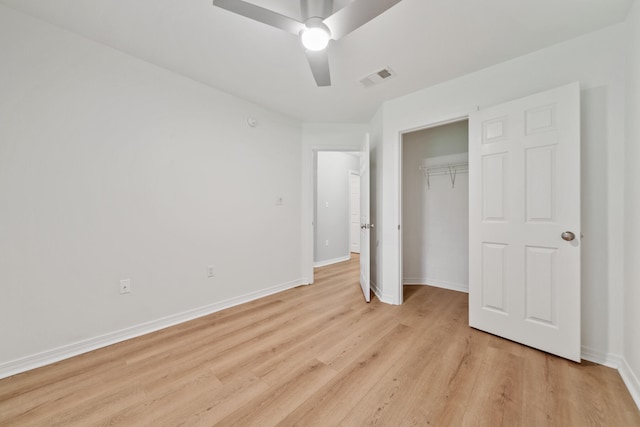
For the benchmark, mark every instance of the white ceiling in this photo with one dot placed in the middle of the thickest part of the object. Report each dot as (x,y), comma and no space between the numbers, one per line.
(424,41)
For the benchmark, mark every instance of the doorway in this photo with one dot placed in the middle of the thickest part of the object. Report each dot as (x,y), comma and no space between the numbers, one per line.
(435,206)
(334,198)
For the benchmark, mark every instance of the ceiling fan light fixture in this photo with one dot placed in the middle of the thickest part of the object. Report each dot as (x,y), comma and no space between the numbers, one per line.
(315,36)
(320,23)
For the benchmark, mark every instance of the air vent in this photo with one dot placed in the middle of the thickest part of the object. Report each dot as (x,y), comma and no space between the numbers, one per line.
(377,77)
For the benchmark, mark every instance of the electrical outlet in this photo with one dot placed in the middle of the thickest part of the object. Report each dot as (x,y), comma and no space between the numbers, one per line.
(211,271)
(326,242)
(125,286)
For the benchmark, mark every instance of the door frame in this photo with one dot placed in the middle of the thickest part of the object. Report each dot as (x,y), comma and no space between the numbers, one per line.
(349,175)
(429,125)
(309,187)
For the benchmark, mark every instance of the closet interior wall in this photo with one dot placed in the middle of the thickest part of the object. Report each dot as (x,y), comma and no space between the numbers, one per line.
(435,207)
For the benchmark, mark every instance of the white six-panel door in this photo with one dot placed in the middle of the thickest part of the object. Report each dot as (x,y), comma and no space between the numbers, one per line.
(524,193)
(365,226)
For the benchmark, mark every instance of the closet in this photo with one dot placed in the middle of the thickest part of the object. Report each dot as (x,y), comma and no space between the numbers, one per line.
(435,207)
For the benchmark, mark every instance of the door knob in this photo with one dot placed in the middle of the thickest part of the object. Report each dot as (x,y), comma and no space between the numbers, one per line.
(568,236)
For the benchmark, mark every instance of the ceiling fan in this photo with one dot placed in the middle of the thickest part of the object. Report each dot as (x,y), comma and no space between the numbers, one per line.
(320,24)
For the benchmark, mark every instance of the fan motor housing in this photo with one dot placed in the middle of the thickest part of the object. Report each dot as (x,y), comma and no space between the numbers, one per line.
(315,8)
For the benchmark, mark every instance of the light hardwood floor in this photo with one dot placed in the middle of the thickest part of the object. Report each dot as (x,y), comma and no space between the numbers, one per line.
(320,356)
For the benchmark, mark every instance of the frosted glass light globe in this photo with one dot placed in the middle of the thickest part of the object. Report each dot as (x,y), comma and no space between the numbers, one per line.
(315,38)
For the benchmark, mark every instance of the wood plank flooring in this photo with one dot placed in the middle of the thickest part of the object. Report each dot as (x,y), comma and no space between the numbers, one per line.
(320,356)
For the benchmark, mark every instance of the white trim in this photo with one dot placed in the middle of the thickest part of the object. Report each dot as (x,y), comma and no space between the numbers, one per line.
(631,380)
(619,363)
(436,283)
(387,299)
(596,356)
(349,185)
(331,261)
(55,355)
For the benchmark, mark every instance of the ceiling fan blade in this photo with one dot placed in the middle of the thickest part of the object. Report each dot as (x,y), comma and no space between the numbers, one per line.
(354,15)
(261,14)
(319,62)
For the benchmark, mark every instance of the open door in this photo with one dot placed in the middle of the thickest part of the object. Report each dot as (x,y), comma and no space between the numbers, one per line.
(365,226)
(524,221)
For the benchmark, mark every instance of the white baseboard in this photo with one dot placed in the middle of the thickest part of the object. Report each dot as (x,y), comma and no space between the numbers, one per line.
(436,283)
(55,355)
(381,296)
(616,362)
(331,261)
(631,381)
(596,356)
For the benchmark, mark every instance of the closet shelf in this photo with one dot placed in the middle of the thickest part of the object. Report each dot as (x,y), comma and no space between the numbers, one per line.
(451,169)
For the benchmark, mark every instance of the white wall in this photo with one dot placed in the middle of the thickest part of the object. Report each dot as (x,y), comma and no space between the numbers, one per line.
(318,137)
(333,197)
(631,370)
(597,61)
(112,168)
(435,216)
